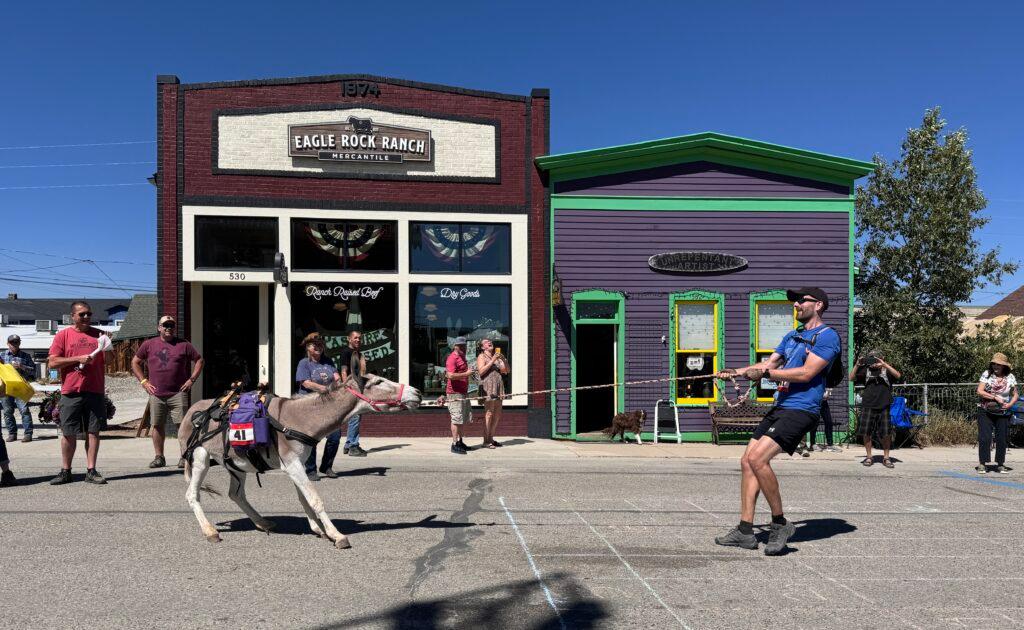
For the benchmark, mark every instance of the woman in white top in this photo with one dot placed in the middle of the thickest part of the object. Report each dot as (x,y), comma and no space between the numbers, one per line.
(997,390)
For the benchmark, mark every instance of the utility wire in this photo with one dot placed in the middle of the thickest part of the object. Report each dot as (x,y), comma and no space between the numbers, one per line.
(100,269)
(71,186)
(59,273)
(89,144)
(80,164)
(105,262)
(77,285)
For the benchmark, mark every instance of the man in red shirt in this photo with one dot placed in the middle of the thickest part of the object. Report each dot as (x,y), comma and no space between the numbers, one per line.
(455,393)
(82,407)
(173,365)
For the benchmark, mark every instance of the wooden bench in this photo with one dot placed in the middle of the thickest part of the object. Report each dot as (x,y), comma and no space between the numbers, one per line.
(742,418)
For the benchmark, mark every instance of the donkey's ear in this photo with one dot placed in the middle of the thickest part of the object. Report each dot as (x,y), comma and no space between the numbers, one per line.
(361,382)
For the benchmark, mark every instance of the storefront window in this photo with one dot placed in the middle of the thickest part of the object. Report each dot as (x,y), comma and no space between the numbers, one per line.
(344,245)
(460,248)
(235,243)
(442,312)
(334,309)
(696,351)
(772,320)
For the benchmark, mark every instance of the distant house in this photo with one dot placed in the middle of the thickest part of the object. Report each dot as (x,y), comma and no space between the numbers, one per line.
(15,311)
(139,324)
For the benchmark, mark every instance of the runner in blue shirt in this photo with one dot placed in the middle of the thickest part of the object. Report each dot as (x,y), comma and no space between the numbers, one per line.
(799,365)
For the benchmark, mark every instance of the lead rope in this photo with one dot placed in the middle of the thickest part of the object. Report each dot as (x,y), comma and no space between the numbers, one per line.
(740,397)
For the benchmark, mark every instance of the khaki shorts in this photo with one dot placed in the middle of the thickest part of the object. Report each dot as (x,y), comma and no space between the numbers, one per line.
(459,408)
(162,409)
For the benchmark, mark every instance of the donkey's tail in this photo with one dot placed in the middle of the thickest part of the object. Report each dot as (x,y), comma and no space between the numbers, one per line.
(204,488)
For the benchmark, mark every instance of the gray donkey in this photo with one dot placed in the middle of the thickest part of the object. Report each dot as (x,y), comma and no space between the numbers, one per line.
(315,416)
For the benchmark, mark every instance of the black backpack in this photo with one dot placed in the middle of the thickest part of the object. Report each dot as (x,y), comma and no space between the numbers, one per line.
(834,373)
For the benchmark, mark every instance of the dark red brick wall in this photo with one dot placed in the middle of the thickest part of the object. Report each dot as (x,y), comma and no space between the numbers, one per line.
(523,136)
(436,423)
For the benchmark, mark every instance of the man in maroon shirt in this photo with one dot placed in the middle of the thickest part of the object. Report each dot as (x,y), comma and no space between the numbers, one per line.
(455,393)
(82,407)
(173,365)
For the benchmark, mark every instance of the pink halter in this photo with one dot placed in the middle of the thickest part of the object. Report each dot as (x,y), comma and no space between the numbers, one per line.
(381,405)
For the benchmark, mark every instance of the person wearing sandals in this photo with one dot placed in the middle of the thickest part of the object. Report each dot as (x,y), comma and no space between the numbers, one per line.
(876,376)
(491,366)
(997,389)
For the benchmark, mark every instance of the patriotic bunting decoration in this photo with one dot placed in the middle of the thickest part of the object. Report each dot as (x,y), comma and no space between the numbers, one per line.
(444,241)
(331,238)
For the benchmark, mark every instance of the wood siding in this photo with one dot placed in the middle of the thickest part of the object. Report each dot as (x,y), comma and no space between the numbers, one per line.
(701,179)
(609,250)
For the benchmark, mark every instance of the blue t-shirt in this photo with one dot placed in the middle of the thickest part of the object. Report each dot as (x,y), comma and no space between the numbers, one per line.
(794,348)
(321,372)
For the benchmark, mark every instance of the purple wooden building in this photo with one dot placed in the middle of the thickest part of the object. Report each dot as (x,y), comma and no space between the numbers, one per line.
(748,220)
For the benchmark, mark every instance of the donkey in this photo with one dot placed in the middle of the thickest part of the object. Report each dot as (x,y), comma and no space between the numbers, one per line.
(316,415)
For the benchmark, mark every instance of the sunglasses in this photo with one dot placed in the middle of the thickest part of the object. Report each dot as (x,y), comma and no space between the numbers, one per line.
(85,314)
(168,325)
(805,300)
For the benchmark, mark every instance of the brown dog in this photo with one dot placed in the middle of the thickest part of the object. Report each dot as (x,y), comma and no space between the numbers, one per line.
(632,421)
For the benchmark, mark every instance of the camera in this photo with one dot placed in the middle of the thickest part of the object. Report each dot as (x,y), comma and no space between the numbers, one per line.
(871,360)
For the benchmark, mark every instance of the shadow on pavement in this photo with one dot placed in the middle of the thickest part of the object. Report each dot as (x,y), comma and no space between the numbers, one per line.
(166,472)
(380,471)
(501,606)
(299,526)
(387,447)
(515,442)
(821,528)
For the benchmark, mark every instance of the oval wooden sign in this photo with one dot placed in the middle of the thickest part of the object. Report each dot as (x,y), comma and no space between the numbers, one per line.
(696,262)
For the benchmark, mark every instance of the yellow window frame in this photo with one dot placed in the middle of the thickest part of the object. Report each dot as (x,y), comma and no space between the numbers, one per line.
(712,351)
(757,334)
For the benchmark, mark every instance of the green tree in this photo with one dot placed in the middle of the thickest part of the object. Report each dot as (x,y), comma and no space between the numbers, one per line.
(917,253)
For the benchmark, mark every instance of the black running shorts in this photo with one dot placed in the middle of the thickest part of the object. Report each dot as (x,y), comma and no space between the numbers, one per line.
(786,426)
(82,413)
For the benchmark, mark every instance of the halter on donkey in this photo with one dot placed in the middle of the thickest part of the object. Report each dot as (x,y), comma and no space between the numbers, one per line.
(297,425)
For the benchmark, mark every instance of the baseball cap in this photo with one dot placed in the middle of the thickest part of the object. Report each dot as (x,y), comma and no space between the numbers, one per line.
(14,339)
(165,318)
(814,292)
(459,341)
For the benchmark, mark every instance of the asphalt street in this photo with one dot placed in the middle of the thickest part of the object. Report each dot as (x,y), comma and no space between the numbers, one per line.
(527,536)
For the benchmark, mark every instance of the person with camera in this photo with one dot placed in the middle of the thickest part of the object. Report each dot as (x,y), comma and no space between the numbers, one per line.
(877,377)
(997,389)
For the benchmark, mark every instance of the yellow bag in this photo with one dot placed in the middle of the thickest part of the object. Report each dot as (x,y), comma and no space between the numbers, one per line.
(14,384)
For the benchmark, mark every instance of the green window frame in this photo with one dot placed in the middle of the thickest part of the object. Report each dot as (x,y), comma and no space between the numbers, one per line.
(717,300)
(619,321)
(773,296)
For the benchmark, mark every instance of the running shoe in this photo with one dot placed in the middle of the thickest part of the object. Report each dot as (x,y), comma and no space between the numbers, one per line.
(93,476)
(736,538)
(834,449)
(64,476)
(981,468)
(1003,469)
(778,536)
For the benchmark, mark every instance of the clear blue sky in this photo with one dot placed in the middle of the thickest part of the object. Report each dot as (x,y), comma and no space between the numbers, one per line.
(847,79)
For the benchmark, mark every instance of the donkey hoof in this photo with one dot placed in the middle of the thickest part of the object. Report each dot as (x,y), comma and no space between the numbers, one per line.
(214,538)
(342,543)
(266,526)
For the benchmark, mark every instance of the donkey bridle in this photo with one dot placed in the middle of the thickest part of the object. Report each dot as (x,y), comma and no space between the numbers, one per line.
(381,405)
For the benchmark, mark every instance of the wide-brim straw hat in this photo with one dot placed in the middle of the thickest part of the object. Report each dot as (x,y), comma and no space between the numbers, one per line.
(1000,359)
(313,337)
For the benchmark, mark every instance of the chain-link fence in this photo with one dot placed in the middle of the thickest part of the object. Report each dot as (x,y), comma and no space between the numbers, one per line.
(954,398)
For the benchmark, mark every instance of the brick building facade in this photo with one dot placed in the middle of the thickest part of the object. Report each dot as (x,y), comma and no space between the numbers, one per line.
(409,211)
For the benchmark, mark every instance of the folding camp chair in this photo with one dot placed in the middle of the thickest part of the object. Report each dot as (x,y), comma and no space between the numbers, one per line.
(903,418)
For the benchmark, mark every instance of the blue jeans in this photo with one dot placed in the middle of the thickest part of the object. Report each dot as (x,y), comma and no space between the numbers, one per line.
(352,438)
(330,451)
(9,403)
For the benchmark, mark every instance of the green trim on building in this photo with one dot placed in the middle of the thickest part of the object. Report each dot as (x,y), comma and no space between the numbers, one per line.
(704,296)
(849,324)
(619,321)
(710,147)
(720,204)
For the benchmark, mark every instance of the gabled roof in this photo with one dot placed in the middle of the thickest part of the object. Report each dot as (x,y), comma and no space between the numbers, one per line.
(1012,304)
(140,321)
(711,147)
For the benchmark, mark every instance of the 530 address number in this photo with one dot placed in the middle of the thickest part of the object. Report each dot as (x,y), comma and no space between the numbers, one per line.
(236,275)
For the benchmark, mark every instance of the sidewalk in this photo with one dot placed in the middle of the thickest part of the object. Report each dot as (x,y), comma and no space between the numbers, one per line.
(122,450)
